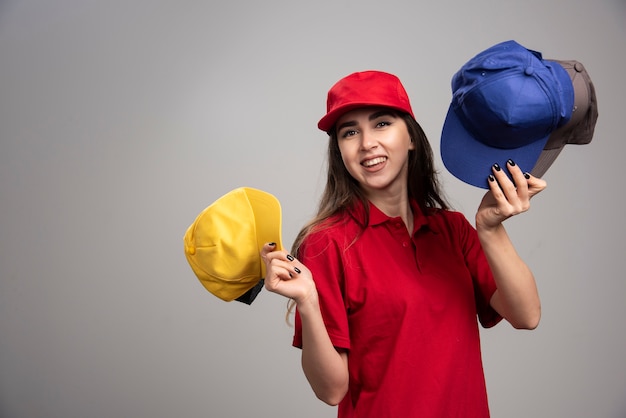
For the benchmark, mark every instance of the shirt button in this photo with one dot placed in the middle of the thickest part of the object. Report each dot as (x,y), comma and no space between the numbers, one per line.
(405,244)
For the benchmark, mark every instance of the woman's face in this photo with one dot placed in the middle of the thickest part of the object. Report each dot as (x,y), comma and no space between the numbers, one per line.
(374,143)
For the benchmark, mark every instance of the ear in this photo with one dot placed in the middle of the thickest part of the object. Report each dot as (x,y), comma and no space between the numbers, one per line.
(411,144)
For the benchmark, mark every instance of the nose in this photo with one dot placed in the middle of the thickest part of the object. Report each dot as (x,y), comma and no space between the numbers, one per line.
(368,140)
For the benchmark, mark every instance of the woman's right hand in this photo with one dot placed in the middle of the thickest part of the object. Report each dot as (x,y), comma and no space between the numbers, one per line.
(287,276)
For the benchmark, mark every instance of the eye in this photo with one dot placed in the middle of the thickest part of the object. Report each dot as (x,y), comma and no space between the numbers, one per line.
(348,133)
(382,124)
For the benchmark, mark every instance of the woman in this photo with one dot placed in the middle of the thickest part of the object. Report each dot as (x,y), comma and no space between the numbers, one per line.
(389,284)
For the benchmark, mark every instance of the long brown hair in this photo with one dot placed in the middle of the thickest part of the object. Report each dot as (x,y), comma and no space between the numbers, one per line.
(342,190)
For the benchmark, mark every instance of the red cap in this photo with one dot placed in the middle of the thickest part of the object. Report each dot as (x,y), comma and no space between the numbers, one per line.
(366,88)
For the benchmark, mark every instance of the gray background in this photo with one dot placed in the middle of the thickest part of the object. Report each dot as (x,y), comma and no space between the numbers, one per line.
(121,120)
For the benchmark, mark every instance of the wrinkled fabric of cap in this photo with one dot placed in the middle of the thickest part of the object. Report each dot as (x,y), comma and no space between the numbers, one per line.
(506,101)
(223,243)
(579,130)
(360,89)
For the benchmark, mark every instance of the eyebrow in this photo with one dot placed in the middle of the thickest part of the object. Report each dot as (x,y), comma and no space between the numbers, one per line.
(372,116)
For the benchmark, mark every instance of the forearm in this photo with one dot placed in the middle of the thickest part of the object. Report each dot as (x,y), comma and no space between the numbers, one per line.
(325,368)
(516,298)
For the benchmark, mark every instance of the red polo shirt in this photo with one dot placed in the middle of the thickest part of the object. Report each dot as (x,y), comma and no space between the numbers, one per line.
(405,307)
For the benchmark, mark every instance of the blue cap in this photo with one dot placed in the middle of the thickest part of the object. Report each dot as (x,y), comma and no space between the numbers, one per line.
(506,101)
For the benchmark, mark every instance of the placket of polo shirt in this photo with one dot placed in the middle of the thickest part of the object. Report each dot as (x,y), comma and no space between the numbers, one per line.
(402,236)
(400,233)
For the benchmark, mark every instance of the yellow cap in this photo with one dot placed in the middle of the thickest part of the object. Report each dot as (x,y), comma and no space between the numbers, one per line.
(223,244)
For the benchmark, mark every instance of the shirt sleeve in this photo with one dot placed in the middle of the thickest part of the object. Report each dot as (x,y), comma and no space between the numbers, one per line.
(484,283)
(322,256)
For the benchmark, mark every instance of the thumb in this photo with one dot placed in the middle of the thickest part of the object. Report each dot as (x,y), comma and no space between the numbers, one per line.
(267,248)
(535,185)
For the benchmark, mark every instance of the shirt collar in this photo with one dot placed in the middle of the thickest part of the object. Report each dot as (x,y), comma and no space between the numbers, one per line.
(378,217)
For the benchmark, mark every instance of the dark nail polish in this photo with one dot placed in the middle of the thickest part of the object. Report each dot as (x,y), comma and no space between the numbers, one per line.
(271,244)
(491,177)
(510,162)
(290,257)
(297,270)
(497,167)
(527,176)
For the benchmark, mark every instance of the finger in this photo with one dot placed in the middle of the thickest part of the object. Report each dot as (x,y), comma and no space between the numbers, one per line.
(514,197)
(520,180)
(267,248)
(284,263)
(535,184)
(494,187)
(294,270)
(505,183)
(276,277)
(284,273)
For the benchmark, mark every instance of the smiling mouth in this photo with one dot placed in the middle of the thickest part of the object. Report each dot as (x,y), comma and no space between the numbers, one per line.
(374,161)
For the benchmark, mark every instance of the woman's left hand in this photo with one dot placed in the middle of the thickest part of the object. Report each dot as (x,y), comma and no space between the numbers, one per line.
(506,198)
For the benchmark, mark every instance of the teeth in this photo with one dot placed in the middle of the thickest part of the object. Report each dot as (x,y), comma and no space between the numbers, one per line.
(374,161)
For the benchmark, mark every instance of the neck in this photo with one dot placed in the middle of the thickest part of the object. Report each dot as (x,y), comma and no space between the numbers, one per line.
(395,206)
